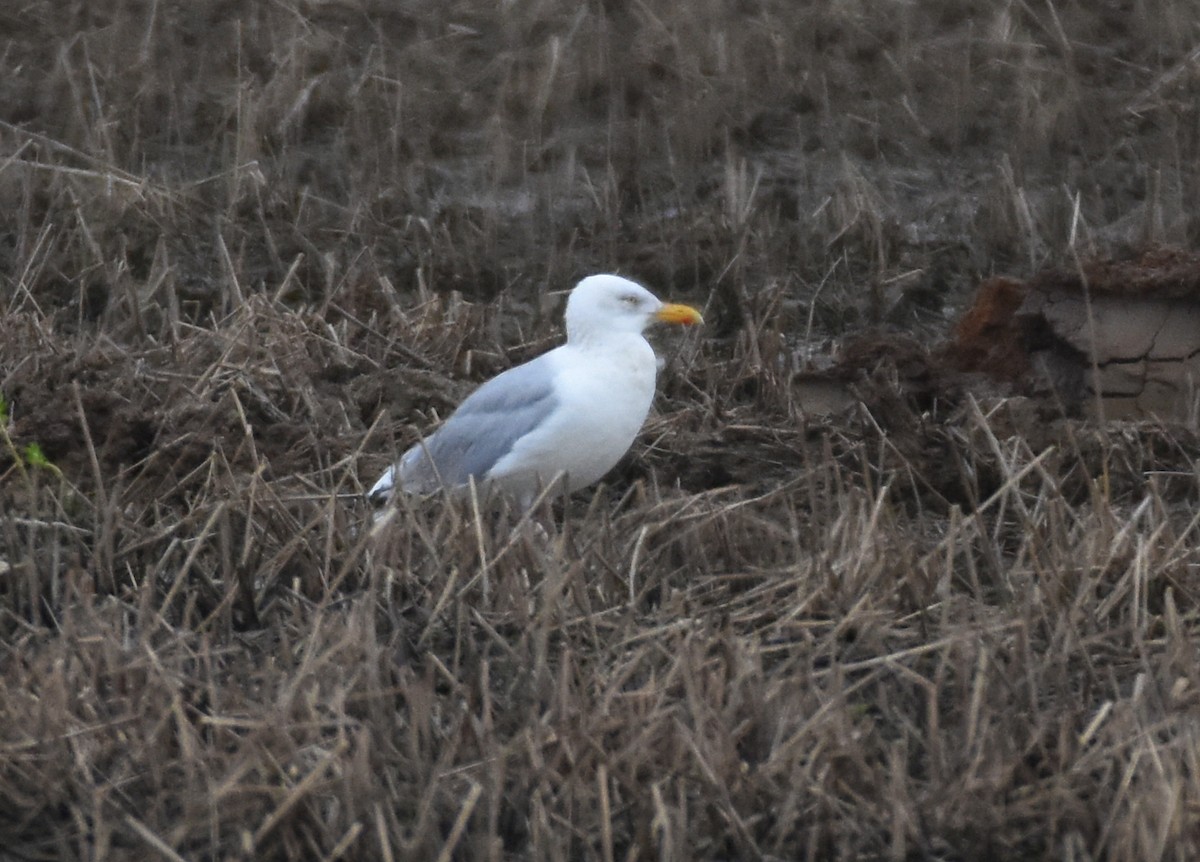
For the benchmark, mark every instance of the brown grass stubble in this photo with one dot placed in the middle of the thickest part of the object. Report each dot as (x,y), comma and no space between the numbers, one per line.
(934,628)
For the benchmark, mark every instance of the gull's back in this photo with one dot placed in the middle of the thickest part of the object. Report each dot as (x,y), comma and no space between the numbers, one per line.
(483,429)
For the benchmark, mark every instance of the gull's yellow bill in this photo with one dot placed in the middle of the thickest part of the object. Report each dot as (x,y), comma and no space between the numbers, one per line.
(675,313)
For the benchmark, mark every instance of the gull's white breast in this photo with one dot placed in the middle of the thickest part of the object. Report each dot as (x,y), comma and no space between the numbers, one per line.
(604,393)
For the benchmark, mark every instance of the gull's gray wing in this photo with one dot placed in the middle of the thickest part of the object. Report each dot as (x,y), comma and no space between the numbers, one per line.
(483,429)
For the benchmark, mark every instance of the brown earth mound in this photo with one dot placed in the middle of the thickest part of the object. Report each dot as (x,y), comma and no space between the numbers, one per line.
(1119,336)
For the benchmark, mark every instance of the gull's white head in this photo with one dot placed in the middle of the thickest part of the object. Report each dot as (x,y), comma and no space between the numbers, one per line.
(608,304)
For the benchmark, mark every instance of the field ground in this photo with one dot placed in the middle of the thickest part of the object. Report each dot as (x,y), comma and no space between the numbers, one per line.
(251,250)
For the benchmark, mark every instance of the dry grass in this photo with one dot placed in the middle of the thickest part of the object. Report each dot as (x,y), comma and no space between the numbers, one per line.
(251,249)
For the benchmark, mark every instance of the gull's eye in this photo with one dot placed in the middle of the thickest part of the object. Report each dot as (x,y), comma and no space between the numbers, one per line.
(632,300)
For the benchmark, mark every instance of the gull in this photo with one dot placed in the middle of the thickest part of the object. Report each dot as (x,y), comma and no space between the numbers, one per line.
(563,419)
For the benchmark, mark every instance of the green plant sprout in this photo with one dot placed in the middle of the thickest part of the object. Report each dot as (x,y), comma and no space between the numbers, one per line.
(31,455)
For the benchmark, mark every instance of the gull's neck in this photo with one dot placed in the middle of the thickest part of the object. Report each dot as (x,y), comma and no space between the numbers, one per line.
(590,338)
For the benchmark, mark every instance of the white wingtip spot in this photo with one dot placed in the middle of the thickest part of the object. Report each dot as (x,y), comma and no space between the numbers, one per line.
(381,491)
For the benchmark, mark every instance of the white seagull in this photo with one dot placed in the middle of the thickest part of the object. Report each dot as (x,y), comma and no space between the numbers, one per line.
(565,417)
